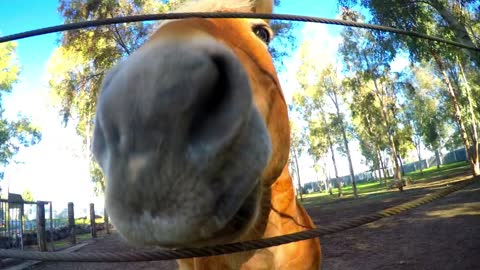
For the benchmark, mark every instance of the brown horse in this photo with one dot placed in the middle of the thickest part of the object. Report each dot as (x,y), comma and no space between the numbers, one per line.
(192,134)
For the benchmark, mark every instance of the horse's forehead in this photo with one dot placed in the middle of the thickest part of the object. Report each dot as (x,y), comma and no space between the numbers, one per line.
(234,33)
(217,28)
(237,34)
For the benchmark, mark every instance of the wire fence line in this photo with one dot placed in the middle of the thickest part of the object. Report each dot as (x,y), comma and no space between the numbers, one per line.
(170,16)
(170,254)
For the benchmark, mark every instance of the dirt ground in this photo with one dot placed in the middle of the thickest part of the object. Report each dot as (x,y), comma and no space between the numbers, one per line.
(444,234)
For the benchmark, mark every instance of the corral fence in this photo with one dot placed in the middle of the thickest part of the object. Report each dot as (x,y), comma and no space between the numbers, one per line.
(32,224)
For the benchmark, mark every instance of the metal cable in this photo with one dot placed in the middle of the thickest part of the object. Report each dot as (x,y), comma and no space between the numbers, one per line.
(156,255)
(170,16)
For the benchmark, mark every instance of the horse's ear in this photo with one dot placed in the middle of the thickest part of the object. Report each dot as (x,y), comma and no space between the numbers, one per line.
(262,6)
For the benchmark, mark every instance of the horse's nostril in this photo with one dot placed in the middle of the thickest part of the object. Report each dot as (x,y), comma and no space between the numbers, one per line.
(210,104)
(220,111)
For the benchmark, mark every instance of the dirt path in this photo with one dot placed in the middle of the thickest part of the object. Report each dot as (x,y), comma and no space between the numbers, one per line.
(441,235)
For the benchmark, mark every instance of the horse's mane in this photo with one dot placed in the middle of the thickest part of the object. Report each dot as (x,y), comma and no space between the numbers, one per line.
(212,6)
(216,6)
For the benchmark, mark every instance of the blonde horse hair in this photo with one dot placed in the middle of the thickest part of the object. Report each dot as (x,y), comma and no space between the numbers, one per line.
(217,6)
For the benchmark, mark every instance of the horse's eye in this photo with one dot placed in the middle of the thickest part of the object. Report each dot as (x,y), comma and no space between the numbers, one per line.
(262,32)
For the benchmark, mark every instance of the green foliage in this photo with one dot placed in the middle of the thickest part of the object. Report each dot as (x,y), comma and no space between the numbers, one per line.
(9,69)
(424,103)
(20,132)
(375,109)
(27,195)
(78,66)
(284,42)
(449,19)
(309,102)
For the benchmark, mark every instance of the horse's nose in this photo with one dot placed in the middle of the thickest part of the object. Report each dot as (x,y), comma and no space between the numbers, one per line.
(194,95)
(176,122)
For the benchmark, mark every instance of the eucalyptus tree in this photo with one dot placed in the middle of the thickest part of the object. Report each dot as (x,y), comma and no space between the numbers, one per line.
(367,66)
(424,103)
(366,116)
(331,84)
(311,101)
(297,144)
(458,20)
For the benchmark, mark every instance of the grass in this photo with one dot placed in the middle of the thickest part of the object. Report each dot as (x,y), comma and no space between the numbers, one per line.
(78,221)
(445,169)
(65,243)
(379,189)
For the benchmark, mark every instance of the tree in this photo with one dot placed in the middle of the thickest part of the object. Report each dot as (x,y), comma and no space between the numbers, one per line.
(20,132)
(310,100)
(456,19)
(448,18)
(367,65)
(333,88)
(285,42)
(366,116)
(296,148)
(27,195)
(424,102)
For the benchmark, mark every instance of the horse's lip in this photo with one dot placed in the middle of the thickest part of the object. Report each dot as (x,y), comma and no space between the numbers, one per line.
(232,230)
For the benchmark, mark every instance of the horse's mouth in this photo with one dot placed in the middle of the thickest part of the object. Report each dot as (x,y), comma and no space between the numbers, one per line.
(171,225)
(234,229)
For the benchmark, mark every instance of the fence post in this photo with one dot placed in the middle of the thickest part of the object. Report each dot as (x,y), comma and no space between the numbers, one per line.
(51,227)
(41,234)
(22,210)
(92,221)
(71,224)
(107,224)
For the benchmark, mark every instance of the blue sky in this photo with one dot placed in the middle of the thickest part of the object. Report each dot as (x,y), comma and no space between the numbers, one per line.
(55,169)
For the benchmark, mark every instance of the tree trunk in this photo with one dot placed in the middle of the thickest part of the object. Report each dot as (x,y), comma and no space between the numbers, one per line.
(337,180)
(397,174)
(300,191)
(345,143)
(388,126)
(417,147)
(438,160)
(338,183)
(457,113)
(377,166)
(383,169)
(459,29)
(327,175)
(401,164)
(474,135)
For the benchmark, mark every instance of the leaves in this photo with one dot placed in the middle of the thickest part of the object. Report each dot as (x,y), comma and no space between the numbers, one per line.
(20,132)
(9,68)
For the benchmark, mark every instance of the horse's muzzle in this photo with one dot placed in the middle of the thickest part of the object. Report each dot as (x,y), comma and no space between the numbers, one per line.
(181,144)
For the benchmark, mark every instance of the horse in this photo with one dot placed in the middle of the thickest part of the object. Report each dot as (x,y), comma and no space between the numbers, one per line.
(192,135)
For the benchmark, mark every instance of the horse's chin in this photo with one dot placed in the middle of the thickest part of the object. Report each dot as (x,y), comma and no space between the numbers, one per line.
(145,229)
(235,230)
